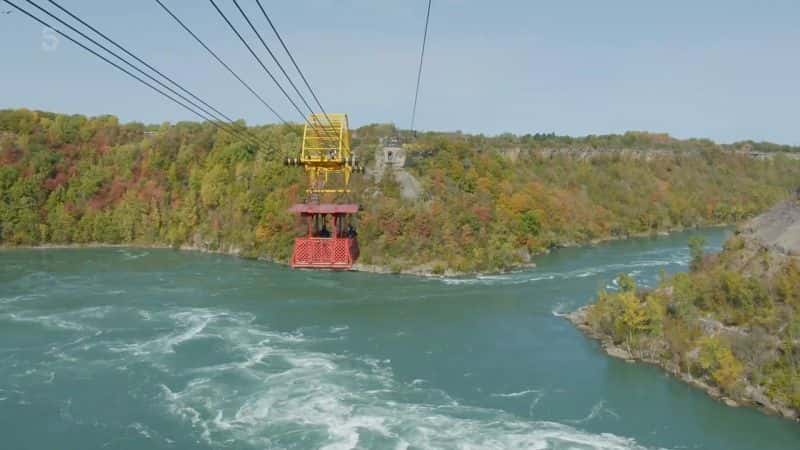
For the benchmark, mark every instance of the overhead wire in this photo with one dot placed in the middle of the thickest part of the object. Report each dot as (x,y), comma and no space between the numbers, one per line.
(294,62)
(122,69)
(221,62)
(207,113)
(421,58)
(236,131)
(277,62)
(258,59)
(269,73)
(149,66)
(114,43)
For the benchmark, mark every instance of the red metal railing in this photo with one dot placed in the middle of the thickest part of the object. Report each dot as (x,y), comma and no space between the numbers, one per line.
(332,253)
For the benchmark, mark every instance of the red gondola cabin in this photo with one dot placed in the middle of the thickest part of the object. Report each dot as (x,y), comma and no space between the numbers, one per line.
(327,244)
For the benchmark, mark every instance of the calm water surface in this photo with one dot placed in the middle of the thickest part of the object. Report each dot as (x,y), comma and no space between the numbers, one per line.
(135,349)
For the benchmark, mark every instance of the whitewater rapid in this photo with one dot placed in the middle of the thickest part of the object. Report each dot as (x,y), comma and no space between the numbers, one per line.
(272,389)
(130,349)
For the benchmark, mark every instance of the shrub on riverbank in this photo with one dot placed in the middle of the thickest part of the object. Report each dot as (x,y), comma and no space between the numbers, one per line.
(488,202)
(733,322)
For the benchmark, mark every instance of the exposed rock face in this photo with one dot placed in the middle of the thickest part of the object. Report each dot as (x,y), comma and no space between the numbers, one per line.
(410,186)
(752,395)
(777,229)
(646,154)
(391,157)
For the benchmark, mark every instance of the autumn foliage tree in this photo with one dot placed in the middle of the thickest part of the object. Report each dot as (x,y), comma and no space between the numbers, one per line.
(488,203)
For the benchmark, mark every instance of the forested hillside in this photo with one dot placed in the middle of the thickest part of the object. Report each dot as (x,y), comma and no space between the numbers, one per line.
(731,325)
(488,202)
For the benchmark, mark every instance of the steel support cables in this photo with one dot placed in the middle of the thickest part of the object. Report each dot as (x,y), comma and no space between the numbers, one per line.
(421,58)
(260,62)
(294,62)
(203,115)
(221,62)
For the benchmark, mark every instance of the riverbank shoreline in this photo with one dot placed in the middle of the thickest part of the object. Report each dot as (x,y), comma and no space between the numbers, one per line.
(751,397)
(426,270)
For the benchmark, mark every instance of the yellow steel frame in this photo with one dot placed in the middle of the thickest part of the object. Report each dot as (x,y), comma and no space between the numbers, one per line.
(326,151)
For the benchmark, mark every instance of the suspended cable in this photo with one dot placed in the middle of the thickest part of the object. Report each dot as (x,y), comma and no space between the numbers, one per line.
(285,48)
(280,66)
(239,133)
(108,39)
(272,55)
(313,116)
(421,58)
(118,67)
(93,41)
(219,60)
(260,62)
(114,43)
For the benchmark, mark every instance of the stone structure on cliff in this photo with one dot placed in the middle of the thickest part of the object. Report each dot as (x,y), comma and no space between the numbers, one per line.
(391,157)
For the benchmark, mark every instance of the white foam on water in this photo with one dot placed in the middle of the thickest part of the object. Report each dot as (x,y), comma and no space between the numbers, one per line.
(188,325)
(79,320)
(274,389)
(94,312)
(129,255)
(54,321)
(293,393)
(535,401)
(458,281)
(505,279)
(598,410)
(19,298)
(558,309)
(63,356)
(518,394)
(533,276)
(141,429)
(541,278)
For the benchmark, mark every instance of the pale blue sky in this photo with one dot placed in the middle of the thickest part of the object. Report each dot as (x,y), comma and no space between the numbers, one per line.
(724,69)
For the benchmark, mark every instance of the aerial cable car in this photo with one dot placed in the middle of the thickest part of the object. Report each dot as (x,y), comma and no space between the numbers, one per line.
(330,241)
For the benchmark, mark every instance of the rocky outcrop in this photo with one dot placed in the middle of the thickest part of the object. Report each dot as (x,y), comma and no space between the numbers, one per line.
(410,187)
(392,158)
(762,248)
(750,394)
(647,154)
(777,229)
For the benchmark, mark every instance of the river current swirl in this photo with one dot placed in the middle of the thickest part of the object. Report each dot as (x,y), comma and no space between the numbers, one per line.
(127,348)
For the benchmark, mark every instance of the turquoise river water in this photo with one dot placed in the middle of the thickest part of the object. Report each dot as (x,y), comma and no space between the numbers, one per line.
(156,349)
